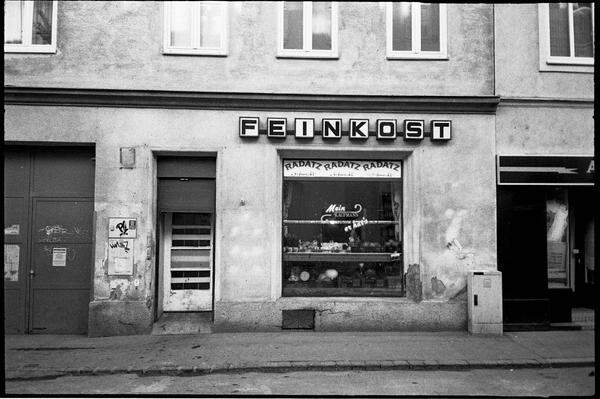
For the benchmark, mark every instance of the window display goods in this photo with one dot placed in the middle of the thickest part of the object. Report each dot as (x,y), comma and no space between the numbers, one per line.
(342,237)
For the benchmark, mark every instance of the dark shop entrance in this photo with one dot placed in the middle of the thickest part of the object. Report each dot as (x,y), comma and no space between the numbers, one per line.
(545,253)
(48,239)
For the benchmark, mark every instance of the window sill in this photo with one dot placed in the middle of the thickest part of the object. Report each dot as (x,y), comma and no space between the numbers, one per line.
(567,65)
(317,300)
(421,56)
(205,52)
(308,54)
(570,61)
(35,49)
(290,292)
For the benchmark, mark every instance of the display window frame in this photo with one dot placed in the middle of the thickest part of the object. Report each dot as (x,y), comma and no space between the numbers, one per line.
(378,284)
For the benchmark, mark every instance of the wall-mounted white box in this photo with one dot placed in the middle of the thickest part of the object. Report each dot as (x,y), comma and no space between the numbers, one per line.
(484,293)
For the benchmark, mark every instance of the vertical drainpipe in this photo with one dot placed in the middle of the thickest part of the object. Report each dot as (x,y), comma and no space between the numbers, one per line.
(494,46)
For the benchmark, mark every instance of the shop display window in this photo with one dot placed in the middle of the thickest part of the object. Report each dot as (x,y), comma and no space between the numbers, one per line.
(342,237)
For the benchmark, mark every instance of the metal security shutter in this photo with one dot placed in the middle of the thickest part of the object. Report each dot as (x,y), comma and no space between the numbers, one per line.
(190,167)
(186,184)
(193,195)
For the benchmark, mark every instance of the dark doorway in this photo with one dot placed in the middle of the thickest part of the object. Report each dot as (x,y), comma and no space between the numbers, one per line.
(545,252)
(48,237)
(582,205)
(522,255)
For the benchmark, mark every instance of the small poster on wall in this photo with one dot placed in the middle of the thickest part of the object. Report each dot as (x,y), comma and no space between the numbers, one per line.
(122,228)
(120,257)
(11,262)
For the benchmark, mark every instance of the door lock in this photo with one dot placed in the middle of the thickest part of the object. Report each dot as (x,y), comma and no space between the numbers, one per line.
(31,273)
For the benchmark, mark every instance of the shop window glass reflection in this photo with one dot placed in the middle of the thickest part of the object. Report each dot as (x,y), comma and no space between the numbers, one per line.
(557,236)
(342,238)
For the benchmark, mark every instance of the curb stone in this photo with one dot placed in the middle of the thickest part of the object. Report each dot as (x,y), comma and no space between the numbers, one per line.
(401,364)
(306,366)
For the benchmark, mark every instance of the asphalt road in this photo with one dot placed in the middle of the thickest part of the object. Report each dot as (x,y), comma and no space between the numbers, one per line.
(500,382)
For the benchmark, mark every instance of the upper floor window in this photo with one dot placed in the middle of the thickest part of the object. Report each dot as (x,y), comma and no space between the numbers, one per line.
(567,33)
(308,29)
(195,28)
(30,26)
(416,30)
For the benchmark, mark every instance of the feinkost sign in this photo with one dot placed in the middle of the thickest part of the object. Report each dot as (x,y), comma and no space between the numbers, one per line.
(358,129)
(308,168)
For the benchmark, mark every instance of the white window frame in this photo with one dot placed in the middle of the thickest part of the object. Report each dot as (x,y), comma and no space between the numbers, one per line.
(307,51)
(553,63)
(26,46)
(195,31)
(416,52)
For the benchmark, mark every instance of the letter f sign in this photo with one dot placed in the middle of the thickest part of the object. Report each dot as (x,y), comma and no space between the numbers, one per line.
(359,129)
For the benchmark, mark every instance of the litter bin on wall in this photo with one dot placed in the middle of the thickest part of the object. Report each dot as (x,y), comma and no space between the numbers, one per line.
(484,292)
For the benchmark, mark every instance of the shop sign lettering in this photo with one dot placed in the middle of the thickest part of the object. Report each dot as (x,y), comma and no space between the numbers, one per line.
(358,129)
(308,168)
(339,211)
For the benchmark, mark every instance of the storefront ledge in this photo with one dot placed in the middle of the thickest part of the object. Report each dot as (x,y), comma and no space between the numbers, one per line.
(344,314)
(109,318)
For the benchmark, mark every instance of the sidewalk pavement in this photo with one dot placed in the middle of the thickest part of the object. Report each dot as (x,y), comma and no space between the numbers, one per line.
(50,356)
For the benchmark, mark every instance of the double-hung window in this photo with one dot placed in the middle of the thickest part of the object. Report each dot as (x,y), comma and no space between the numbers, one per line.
(416,30)
(566,33)
(198,28)
(30,26)
(308,29)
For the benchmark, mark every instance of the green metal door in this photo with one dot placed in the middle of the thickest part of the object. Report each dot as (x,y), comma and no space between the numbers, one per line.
(49,211)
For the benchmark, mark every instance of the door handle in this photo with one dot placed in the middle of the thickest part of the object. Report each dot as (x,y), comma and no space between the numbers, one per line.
(31,273)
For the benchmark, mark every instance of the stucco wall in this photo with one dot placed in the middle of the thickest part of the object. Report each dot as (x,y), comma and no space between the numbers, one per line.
(449,193)
(108,44)
(545,129)
(517,59)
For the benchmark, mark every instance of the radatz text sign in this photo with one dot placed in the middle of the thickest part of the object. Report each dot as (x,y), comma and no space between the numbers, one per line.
(546,170)
(331,129)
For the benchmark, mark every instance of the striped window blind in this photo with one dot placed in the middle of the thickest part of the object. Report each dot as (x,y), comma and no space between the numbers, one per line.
(191,235)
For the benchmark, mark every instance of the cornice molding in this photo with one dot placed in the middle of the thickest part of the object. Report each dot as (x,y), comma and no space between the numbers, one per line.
(546,102)
(248,101)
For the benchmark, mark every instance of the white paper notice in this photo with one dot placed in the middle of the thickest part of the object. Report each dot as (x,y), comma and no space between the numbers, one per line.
(11,262)
(59,257)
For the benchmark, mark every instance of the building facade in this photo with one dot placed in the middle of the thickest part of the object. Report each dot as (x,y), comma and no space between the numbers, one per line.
(273,165)
(545,119)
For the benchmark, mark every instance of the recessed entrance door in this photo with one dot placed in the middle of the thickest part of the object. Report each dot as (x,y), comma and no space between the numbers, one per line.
(188,261)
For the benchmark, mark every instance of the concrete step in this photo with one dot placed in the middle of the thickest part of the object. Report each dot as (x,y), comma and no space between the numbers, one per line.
(183,323)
